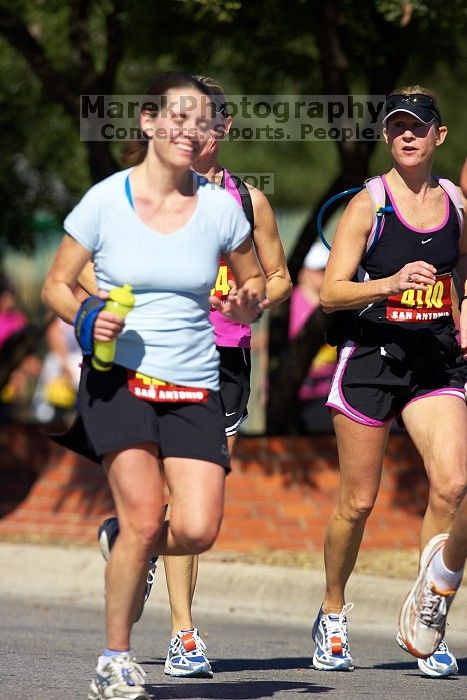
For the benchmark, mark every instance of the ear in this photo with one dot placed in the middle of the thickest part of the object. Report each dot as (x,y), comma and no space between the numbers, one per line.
(146,121)
(442,133)
(227,124)
(385,134)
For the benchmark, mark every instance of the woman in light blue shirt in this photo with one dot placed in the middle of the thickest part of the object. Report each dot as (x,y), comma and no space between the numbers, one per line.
(160,228)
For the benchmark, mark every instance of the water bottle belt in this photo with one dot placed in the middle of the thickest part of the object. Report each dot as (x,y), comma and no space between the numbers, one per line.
(159,391)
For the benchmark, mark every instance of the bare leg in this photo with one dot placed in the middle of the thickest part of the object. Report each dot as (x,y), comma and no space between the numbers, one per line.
(361,451)
(455,550)
(181,574)
(196,506)
(438,426)
(136,483)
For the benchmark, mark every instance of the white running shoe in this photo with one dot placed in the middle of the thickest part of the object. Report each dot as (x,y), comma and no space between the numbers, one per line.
(186,656)
(120,678)
(332,643)
(106,535)
(440,664)
(422,620)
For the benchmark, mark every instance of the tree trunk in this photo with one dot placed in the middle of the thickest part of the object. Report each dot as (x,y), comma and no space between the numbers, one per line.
(281,361)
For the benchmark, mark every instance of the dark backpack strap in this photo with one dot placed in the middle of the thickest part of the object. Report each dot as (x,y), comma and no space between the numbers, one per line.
(245,196)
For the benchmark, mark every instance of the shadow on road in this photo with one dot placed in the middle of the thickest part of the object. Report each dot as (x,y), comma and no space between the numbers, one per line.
(236,690)
(412,665)
(233,665)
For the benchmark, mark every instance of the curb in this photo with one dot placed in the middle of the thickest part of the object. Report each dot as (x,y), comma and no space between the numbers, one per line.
(75,576)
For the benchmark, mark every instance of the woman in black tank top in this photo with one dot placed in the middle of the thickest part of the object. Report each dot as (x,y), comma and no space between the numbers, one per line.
(398,348)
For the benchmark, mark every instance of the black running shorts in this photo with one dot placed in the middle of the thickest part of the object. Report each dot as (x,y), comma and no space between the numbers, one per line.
(234,375)
(372,388)
(111,418)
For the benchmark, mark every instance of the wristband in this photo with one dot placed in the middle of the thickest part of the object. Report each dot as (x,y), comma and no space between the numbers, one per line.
(84,322)
(461,300)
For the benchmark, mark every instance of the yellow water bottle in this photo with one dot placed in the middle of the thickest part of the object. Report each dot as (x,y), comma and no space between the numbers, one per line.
(120,302)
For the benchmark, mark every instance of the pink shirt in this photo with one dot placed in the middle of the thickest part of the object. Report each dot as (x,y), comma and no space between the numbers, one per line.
(229,334)
(318,380)
(10,323)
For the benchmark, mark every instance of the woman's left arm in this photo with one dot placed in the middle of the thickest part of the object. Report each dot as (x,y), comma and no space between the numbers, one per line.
(249,300)
(268,246)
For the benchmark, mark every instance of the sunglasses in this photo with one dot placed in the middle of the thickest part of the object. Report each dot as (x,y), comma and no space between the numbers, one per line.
(417,100)
(221,109)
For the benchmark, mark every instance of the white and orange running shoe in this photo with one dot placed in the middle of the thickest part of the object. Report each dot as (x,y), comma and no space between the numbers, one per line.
(422,620)
(332,651)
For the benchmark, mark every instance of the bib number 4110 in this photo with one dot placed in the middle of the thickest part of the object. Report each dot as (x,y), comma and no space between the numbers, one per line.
(421,305)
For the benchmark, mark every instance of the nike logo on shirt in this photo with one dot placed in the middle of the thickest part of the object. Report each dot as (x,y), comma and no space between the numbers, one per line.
(427,240)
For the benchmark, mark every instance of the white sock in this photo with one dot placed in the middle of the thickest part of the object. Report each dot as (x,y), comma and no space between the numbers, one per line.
(108,653)
(443,578)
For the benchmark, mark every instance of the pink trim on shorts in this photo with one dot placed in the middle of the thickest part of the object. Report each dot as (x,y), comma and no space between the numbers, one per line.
(447,391)
(404,222)
(336,397)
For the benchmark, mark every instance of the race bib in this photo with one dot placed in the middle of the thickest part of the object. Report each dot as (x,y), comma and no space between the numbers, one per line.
(151,389)
(421,305)
(221,288)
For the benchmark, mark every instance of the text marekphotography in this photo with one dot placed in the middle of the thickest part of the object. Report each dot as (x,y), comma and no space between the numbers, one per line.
(276,118)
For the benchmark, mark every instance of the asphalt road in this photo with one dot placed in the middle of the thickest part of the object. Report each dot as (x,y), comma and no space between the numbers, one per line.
(49,653)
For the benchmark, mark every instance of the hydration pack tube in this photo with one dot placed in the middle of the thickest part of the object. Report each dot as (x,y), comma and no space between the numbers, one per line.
(327,203)
(376,190)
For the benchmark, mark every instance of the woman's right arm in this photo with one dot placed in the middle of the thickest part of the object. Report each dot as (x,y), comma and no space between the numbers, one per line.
(57,293)
(338,291)
(87,279)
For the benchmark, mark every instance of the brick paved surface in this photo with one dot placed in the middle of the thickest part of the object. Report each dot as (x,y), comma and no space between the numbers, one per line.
(279,495)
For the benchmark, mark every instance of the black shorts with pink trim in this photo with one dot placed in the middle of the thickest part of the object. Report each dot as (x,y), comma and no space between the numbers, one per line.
(371,386)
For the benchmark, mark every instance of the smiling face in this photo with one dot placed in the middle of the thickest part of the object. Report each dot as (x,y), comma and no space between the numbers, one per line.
(180,129)
(412,142)
(220,126)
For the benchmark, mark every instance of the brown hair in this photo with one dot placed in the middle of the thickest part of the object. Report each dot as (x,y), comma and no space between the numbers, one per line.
(215,88)
(134,152)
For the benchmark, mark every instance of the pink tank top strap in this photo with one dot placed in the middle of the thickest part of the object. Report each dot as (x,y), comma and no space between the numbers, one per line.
(231,187)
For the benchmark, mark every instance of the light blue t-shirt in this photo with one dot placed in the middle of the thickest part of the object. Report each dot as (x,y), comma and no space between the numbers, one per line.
(167,334)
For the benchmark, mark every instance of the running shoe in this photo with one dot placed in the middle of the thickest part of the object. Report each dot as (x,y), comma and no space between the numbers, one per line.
(440,664)
(106,535)
(121,678)
(186,656)
(332,643)
(422,619)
